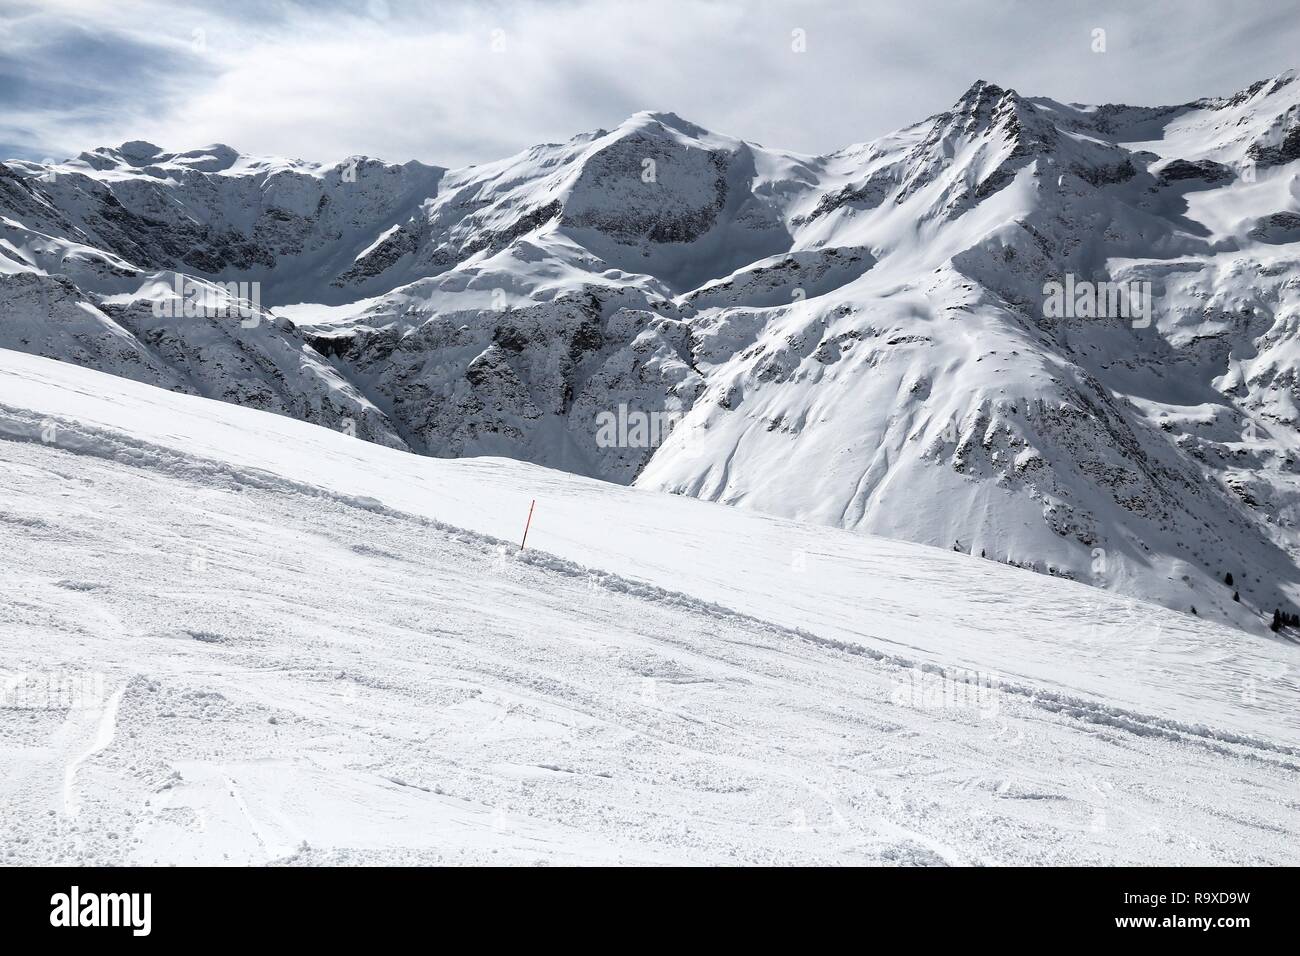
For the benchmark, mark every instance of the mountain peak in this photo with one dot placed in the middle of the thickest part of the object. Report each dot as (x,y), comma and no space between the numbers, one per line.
(982,91)
(668,120)
(986,104)
(139,149)
(1259,90)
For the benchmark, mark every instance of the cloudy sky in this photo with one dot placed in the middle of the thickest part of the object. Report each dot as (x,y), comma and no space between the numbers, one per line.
(456,82)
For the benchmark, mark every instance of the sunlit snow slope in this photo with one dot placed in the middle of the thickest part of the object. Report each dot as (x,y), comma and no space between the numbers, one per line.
(857,339)
(311,648)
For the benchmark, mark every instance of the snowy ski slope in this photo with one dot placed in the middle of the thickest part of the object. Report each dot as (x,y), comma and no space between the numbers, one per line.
(289,645)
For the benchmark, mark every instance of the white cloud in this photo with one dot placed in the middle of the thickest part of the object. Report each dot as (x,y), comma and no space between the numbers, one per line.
(406,80)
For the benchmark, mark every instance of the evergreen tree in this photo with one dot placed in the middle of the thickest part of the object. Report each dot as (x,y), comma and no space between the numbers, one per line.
(1227,579)
(1236,596)
(1277,620)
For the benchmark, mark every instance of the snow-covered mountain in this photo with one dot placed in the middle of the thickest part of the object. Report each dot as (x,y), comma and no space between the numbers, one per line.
(862,339)
(232,638)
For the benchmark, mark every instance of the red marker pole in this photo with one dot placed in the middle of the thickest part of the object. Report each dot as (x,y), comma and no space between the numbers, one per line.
(527,524)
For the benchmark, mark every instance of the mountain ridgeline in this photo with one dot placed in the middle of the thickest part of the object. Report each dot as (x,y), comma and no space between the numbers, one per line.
(875,339)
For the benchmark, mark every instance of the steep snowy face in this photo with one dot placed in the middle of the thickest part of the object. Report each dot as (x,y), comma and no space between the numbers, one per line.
(549,303)
(658,196)
(243,355)
(975,149)
(1057,336)
(943,399)
(530,381)
(664,197)
(214,213)
(1260,124)
(97,253)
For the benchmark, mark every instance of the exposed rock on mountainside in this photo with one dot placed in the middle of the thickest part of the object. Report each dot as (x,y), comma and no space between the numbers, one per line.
(858,339)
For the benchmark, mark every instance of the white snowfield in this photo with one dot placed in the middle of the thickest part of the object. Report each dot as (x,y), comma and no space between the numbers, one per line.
(230,637)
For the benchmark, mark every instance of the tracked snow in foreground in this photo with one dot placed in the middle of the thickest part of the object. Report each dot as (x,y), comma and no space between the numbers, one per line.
(294,646)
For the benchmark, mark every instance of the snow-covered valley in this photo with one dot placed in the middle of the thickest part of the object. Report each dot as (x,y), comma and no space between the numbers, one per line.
(289,645)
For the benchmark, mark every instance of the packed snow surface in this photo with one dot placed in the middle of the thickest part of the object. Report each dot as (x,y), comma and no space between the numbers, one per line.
(231,637)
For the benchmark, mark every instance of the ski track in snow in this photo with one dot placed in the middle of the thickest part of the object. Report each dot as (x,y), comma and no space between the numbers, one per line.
(105,730)
(305,676)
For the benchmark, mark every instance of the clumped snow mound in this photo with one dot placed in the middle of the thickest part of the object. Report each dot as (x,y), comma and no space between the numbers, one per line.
(859,339)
